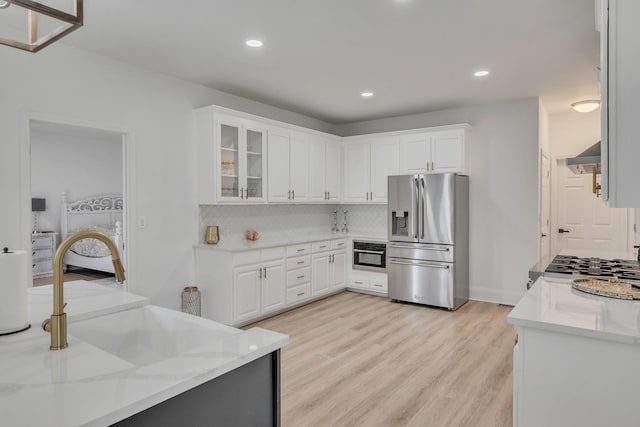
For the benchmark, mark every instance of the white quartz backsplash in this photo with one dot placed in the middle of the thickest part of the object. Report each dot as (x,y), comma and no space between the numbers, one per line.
(291,220)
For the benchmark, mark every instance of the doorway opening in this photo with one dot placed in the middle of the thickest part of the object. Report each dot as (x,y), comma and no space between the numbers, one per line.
(582,222)
(77,182)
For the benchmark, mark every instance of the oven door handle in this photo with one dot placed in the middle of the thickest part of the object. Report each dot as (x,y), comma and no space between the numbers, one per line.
(425,248)
(368,252)
(421,264)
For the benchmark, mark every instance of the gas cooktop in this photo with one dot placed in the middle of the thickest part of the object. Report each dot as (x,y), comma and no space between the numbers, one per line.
(563,266)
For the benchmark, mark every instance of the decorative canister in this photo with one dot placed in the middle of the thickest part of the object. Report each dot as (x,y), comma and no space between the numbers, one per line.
(212,236)
(191,300)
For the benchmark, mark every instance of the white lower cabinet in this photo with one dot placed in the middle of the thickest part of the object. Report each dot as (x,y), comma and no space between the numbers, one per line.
(240,287)
(565,379)
(368,281)
(328,267)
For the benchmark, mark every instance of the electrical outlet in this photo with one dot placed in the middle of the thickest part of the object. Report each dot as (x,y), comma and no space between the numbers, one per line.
(142,222)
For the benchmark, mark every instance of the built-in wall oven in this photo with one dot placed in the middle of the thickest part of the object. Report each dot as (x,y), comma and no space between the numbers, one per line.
(370,256)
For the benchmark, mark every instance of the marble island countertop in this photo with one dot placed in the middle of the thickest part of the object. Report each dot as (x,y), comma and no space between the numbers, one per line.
(238,243)
(552,304)
(86,385)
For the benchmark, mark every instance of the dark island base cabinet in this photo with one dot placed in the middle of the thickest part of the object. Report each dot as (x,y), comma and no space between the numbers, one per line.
(246,396)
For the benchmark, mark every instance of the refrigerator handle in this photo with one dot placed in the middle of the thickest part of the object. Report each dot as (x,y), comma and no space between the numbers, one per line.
(422,210)
(415,208)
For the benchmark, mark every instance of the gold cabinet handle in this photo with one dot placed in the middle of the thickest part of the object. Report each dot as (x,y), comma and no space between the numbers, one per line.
(328,195)
(260,272)
(293,194)
(596,187)
(427,166)
(242,193)
(289,195)
(433,166)
(265,272)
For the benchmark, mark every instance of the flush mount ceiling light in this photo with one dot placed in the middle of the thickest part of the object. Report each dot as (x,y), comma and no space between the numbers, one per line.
(63,23)
(586,106)
(254,43)
(366,94)
(481,73)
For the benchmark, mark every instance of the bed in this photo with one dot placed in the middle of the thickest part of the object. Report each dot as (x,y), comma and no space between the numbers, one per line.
(103,213)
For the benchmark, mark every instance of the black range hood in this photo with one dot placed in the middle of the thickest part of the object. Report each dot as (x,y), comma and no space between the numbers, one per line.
(586,161)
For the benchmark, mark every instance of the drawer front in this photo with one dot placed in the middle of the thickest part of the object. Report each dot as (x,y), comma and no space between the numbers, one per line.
(273,254)
(298,293)
(243,258)
(321,246)
(297,277)
(358,282)
(298,262)
(339,244)
(40,267)
(40,254)
(379,286)
(294,250)
(41,242)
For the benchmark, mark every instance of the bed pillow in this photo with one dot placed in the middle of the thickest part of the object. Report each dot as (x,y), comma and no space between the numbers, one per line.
(93,247)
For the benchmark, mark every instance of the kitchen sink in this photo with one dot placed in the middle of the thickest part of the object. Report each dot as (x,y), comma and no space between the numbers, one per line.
(149,334)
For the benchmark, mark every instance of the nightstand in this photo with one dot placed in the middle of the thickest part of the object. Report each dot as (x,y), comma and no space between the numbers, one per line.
(43,248)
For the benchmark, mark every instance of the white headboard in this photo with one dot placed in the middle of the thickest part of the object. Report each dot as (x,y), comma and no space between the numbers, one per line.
(100,209)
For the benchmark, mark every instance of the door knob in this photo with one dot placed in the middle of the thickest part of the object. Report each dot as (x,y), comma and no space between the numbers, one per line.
(562,230)
(543,235)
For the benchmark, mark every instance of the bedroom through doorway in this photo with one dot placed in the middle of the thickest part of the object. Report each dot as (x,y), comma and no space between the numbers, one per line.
(77,183)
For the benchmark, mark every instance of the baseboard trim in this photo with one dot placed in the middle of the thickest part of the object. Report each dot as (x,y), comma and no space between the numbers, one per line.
(495,295)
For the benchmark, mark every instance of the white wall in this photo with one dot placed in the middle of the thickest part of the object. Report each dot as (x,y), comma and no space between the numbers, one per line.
(503,170)
(156,111)
(572,133)
(81,166)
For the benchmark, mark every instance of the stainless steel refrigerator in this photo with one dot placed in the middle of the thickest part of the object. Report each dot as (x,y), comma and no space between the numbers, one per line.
(428,252)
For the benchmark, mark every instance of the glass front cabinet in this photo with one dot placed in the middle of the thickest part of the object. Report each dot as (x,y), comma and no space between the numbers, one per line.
(241,160)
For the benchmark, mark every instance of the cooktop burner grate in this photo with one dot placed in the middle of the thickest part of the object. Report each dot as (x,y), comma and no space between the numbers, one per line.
(571,265)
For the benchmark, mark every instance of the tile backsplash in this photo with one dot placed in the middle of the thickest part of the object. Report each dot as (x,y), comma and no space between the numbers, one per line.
(233,220)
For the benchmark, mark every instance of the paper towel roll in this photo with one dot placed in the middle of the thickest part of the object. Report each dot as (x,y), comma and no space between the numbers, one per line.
(13,291)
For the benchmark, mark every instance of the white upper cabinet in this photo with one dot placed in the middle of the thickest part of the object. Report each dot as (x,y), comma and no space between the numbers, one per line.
(366,168)
(231,159)
(288,166)
(317,159)
(620,100)
(357,171)
(433,152)
(333,171)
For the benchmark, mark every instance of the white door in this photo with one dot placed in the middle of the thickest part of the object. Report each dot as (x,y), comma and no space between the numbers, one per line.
(338,264)
(384,162)
(319,274)
(299,168)
(246,292)
(447,151)
(278,173)
(545,205)
(272,286)
(333,170)
(317,169)
(584,221)
(357,169)
(414,153)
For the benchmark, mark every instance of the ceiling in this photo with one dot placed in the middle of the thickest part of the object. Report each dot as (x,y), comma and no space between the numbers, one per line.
(319,55)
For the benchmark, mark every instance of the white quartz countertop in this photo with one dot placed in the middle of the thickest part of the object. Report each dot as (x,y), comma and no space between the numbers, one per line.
(85,385)
(270,240)
(552,304)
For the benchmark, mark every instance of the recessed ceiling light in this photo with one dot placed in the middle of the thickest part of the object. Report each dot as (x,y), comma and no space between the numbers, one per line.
(254,43)
(481,73)
(366,94)
(586,106)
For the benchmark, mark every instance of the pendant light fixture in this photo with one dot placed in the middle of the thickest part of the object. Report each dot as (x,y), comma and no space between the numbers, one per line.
(40,15)
(586,106)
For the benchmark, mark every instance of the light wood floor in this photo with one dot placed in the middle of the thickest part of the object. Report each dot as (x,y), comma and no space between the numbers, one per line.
(360,360)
